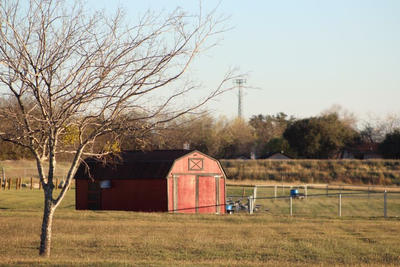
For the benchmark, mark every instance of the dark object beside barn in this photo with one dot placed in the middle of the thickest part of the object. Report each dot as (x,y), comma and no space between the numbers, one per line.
(185,181)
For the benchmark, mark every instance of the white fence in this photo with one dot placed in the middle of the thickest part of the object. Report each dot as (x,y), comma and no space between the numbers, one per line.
(312,200)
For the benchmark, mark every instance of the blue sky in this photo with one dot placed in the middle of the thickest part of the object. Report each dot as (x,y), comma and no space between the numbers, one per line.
(304,55)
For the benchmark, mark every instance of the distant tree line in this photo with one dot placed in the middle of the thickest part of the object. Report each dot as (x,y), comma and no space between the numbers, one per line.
(320,137)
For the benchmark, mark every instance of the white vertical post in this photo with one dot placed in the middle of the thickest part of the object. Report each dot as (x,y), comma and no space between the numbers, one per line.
(340,205)
(251,208)
(291,206)
(305,191)
(255,193)
(275,190)
(385,204)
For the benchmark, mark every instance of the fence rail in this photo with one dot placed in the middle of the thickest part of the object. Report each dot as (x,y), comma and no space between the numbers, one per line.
(30,183)
(316,201)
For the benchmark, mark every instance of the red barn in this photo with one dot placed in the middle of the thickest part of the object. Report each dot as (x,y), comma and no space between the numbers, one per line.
(185,181)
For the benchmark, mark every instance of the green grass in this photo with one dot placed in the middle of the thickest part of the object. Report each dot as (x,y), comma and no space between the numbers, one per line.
(31,200)
(106,238)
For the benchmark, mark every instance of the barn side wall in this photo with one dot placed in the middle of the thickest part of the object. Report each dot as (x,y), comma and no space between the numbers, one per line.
(136,195)
(81,194)
(131,195)
(222,195)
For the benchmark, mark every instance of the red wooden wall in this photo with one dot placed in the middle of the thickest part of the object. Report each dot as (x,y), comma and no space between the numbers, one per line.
(130,195)
(194,184)
(81,194)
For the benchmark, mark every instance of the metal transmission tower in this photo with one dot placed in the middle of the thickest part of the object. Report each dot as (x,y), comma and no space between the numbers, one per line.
(239,83)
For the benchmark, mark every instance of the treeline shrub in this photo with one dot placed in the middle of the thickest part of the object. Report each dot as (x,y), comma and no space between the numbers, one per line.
(316,171)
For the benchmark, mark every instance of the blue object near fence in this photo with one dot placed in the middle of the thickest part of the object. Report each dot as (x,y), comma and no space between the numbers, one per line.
(229,209)
(294,192)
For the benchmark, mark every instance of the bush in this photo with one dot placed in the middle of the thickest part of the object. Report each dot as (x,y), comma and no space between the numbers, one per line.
(316,171)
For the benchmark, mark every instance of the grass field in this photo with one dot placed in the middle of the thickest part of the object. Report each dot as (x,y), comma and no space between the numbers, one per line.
(27,168)
(106,238)
(367,172)
(374,172)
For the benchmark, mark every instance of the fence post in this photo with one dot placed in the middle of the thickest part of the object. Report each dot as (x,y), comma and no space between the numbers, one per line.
(368,192)
(291,205)
(3,177)
(9,183)
(327,190)
(251,208)
(16,183)
(385,204)
(275,190)
(305,191)
(3,174)
(254,194)
(340,205)
(31,183)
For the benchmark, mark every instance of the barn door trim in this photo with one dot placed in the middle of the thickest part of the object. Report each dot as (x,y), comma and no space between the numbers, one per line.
(199,174)
(175,192)
(197,193)
(217,207)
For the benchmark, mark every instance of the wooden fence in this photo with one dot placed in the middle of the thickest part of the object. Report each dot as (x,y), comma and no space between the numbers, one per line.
(18,184)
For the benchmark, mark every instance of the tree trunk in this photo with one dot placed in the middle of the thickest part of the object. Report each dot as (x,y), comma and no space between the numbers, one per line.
(45,237)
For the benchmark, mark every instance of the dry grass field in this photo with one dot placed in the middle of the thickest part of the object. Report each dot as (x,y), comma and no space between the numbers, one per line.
(374,172)
(106,238)
(27,168)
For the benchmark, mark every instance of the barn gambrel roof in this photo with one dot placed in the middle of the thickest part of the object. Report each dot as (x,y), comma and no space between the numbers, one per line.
(154,164)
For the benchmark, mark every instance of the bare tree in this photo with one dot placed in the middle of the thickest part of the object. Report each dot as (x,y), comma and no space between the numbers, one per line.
(75,75)
(375,128)
(344,115)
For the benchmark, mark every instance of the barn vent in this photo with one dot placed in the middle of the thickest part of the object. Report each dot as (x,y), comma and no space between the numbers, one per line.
(105,184)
